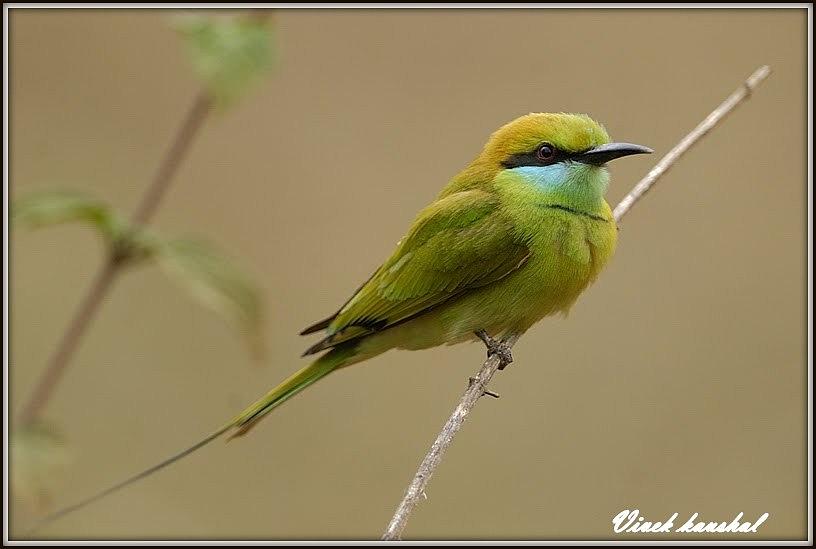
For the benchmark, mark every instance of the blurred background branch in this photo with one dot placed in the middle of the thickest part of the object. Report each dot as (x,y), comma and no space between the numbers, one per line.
(228,53)
(478,385)
(114,262)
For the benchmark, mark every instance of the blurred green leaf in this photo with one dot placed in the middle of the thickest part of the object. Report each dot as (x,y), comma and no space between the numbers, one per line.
(52,207)
(39,457)
(229,53)
(216,283)
(210,277)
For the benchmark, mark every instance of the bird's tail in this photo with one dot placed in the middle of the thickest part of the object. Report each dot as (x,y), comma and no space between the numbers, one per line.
(289,387)
(243,422)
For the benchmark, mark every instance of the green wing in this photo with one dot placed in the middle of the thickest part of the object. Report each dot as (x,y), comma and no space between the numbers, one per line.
(458,243)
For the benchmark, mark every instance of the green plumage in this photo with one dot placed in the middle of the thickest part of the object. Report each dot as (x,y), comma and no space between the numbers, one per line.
(514,237)
(498,250)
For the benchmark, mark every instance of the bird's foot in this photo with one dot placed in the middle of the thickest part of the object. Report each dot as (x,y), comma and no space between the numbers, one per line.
(496,347)
(472,380)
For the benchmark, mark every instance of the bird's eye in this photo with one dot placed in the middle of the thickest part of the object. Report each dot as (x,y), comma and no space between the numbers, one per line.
(545,152)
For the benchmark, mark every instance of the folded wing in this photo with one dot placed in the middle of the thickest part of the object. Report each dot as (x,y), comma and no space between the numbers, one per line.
(456,244)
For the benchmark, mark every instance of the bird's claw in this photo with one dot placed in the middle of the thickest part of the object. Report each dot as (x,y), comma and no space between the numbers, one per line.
(496,347)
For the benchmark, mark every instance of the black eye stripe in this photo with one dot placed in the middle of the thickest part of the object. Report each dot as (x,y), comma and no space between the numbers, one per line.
(533,158)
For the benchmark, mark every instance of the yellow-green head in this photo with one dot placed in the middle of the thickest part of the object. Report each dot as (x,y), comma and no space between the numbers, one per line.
(571,133)
(559,156)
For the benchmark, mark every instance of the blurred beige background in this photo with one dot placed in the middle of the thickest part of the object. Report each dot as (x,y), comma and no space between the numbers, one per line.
(677,384)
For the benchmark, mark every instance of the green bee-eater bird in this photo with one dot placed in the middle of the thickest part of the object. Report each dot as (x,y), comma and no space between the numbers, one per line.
(514,237)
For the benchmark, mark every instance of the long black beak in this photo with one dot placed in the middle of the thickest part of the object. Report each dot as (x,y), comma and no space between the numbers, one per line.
(604,153)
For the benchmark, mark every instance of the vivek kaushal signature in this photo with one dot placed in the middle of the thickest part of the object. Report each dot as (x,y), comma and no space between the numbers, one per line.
(633,522)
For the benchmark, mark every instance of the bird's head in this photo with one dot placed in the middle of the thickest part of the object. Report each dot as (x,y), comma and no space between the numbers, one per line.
(545,139)
(558,154)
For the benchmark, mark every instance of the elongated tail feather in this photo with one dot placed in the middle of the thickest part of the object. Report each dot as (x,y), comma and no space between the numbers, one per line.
(247,419)
(131,480)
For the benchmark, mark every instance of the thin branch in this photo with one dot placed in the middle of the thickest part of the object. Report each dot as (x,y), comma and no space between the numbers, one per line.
(195,118)
(115,261)
(68,343)
(711,121)
(416,490)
